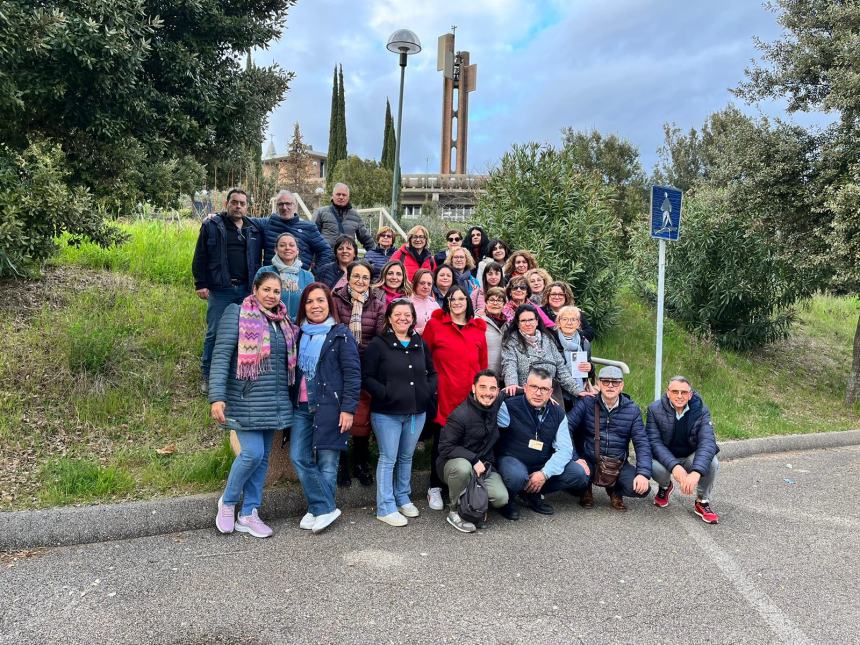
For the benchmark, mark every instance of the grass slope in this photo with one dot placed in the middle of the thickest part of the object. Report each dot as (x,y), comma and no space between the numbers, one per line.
(100,371)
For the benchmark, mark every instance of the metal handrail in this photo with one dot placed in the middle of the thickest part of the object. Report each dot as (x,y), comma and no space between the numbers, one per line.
(308,215)
(605,361)
(384,217)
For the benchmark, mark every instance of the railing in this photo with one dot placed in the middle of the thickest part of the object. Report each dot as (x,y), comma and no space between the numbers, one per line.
(384,219)
(605,361)
(302,206)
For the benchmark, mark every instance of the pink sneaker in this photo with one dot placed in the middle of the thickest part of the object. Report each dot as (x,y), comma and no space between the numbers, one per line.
(254,525)
(226,519)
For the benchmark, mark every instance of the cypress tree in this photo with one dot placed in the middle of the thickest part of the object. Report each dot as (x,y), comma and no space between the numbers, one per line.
(341,115)
(389,140)
(331,157)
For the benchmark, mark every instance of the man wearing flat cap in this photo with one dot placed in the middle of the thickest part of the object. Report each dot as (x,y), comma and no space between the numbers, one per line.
(618,421)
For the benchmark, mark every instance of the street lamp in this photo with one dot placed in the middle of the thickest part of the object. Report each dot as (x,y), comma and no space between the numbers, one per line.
(403,42)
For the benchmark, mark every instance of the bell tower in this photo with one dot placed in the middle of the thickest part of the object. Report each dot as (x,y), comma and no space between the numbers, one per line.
(458,79)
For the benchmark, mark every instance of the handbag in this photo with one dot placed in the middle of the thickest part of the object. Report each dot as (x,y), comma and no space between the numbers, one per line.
(607,468)
(473,502)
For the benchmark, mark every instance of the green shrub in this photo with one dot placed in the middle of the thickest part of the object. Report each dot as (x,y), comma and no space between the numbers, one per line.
(38,205)
(67,480)
(536,200)
(725,280)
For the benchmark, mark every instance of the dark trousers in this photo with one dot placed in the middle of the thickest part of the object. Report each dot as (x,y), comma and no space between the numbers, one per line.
(624,484)
(515,474)
(217,302)
(435,480)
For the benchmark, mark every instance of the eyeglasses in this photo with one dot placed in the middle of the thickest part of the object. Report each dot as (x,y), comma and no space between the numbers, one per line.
(359,278)
(611,382)
(567,319)
(540,389)
(681,392)
(454,238)
(519,287)
(528,321)
(556,294)
(497,301)
(386,235)
(418,237)
(283,204)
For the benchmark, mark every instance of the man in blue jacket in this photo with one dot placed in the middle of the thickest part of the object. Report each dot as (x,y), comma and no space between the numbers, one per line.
(683,445)
(228,253)
(313,249)
(619,422)
(534,448)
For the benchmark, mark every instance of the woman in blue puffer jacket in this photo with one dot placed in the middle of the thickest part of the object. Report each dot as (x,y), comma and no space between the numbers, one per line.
(325,395)
(253,365)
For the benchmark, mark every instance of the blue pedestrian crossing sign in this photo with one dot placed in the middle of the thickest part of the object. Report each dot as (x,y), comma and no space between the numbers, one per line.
(666,212)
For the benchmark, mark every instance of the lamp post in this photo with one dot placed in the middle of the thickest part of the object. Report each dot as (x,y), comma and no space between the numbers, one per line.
(403,42)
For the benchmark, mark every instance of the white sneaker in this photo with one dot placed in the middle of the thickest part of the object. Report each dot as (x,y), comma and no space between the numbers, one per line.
(393,519)
(307,522)
(322,522)
(409,510)
(434,498)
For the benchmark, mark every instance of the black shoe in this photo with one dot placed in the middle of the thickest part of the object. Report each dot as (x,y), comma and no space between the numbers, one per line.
(536,502)
(510,511)
(362,472)
(343,478)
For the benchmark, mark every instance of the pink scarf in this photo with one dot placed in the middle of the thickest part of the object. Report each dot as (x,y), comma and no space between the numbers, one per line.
(255,347)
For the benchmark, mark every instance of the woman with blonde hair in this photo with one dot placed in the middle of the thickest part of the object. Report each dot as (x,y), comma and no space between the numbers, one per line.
(538,280)
(415,253)
(384,249)
(462,263)
(519,263)
(393,282)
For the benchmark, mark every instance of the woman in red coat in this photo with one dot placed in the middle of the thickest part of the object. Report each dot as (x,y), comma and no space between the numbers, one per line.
(415,254)
(458,343)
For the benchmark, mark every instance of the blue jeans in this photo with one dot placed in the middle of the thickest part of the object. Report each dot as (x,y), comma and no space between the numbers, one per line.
(318,477)
(248,471)
(516,475)
(215,306)
(397,436)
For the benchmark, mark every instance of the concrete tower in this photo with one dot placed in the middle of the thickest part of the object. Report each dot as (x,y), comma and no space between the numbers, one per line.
(459,78)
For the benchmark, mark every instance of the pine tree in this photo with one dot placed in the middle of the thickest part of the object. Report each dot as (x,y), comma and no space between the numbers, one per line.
(332,157)
(297,165)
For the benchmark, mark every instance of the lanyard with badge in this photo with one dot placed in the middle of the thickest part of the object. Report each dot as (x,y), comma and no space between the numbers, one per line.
(537,444)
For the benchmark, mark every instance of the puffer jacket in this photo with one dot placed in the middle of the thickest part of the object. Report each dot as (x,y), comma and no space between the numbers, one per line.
(661,425)
(516,362)
(378,258)
(494,344)
(263,404)
(617,429)
(329,274)
(333,222)
(337,385)
(400,380)
(313,249)
(412,263)
(471,433)
(372,316)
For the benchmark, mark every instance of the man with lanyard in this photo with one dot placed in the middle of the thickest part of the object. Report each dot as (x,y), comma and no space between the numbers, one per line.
(534,449)
(340,218)
(228,253)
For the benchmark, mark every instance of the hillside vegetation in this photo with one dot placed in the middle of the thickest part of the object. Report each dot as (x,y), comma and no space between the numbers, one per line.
(100,373)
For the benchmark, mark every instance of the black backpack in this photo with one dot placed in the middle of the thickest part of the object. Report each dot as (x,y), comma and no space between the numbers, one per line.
(473,502)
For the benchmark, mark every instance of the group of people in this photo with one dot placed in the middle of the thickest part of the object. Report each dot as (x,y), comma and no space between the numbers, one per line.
(474,348)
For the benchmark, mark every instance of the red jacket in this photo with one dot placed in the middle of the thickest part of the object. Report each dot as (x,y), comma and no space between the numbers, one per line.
(411,263)
(458,354)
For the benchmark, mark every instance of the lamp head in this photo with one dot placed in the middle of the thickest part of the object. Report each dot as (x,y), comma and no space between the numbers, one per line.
(404,41)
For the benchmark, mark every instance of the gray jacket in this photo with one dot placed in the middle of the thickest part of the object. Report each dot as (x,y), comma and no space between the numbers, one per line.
(332,225)
(494,344)
(263,404)
(517,362)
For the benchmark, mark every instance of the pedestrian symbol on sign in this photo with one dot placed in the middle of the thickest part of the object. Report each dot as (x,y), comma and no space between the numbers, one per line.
(665,212)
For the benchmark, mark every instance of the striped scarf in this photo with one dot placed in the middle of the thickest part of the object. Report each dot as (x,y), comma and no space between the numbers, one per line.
(255,346)
(358,301)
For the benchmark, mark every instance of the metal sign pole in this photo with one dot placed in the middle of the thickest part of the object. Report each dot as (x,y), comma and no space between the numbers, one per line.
(661,286)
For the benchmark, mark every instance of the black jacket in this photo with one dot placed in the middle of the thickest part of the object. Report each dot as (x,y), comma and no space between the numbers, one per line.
(209,266)
(400,380)
(470,433)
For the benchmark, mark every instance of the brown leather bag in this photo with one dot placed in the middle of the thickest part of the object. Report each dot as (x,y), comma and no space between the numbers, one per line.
(608,468)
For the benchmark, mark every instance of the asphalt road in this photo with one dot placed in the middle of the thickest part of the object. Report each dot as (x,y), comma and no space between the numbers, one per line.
(782,566)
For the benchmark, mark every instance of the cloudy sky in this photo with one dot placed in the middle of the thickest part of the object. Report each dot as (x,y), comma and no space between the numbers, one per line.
(618,66)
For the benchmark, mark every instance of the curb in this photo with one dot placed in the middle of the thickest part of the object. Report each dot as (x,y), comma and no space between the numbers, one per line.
(67,526)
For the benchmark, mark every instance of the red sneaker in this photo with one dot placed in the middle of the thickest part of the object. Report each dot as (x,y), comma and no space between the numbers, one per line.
(661,499)
(703,509)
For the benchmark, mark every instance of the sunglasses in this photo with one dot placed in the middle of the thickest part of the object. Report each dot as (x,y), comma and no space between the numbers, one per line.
(519,287)
(611,382)
(455,239)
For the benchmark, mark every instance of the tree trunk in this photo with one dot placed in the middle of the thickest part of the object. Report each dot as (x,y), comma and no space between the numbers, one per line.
(852,392)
